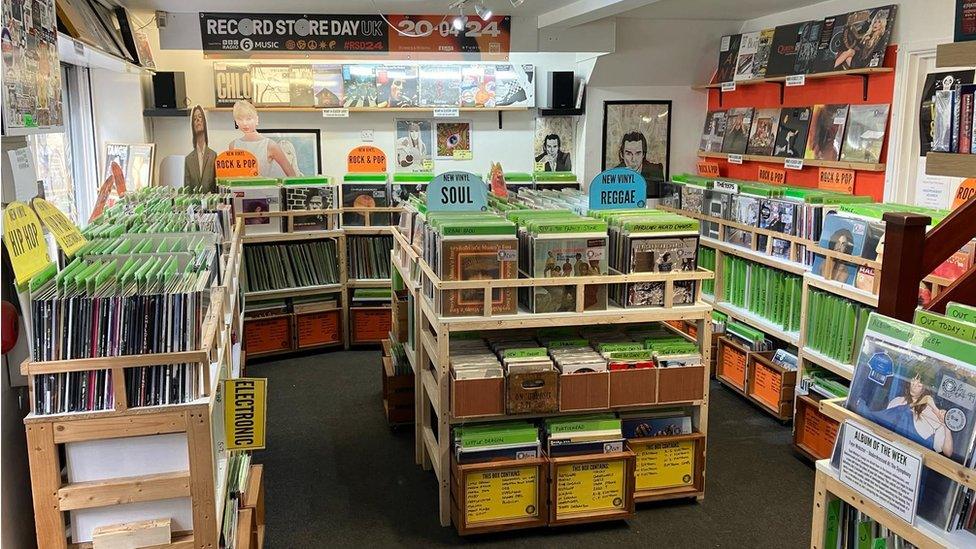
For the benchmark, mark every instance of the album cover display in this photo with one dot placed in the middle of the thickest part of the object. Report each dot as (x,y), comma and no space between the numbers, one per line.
(300,86)
(440,85)
(290,265)
(327,86)
(359,86)
(565,256)
(365,194)
(762,137)
(866,125)
(514,85)
(791,137)
(728,58)
(271,85)
(397,86)
(761,63)
(782,55)
(232,83)
(477,87)
(473,259)
(738,122)
(714,132)
(748,47)
(845,234)
(826,132)
(659,255)
(855,40)
(778,215)
(310,194)
(256,196)
(808,39)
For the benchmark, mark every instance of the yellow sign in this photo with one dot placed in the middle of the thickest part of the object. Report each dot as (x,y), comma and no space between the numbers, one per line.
(65,232)
(664,464)
(463,154)
(501,494)
(24,239)
(587,487)
(245,412)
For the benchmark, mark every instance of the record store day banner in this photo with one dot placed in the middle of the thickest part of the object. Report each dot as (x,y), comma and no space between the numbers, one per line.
(302,33)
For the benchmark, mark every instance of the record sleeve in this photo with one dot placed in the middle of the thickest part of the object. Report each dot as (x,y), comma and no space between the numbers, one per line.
(271,85)
(311,198)
(855,40)
(359,86)
(761,63)
(477,88)
(440,85)
(865,133)
(808,37)
(397,86)
(748,48)
(365,195)
(327,85)
(232,83)
(728,58)
(826,132)
(713,132)
(478,260)
(737,124)
(782,55)
(300,86)
(791,138)
(762,136)
(515,85)
(841,234)
(778,215)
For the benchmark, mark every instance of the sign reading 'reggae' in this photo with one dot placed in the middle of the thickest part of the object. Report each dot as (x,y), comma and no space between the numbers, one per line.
(617,189)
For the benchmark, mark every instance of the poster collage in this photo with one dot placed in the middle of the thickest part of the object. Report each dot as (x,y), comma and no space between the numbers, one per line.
(31,69)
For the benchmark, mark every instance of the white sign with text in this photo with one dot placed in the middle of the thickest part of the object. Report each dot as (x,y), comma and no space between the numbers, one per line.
(884,472)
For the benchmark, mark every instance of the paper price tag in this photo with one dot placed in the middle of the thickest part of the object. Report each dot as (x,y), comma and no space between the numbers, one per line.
(725,186)
(447,113)
(772,176)
(728,86)
(462,155)
(708,169)
(335,113)
(735,159)
(836,179)
(793,163)
(796,80)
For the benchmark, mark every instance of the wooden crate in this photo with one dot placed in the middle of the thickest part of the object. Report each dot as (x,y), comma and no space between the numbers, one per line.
(498,495)
(532,392)
(770,385)
(584,391)
(250,517)
(813,432)
(731,364)
(398,394)
(680,384)
(668,466)
(318,328)
(370,325)
(591,488)
(400,320)
(477,397)
(713,356)
(269,334)
(633,387)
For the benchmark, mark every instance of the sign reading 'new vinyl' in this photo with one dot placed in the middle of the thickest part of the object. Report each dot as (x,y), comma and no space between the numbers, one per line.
(301,33)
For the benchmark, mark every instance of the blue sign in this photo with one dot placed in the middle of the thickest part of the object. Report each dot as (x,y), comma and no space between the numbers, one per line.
(618,189)
(457,192)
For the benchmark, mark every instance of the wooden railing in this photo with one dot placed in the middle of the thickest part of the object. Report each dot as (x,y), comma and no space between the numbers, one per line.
(911,253)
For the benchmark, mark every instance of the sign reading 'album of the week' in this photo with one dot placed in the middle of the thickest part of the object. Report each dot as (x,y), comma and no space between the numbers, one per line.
(245,412)
(617,189)
(457,192)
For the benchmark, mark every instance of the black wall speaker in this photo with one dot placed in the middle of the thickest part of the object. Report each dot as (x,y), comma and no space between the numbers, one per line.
(561,90)
(169,90)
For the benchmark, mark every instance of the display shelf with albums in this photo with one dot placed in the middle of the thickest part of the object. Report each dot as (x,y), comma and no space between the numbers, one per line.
(499,363)
(953,151)
(133,393)
(901,367)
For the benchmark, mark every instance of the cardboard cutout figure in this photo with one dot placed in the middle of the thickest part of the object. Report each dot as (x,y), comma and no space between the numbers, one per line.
(266,150)
(198,173)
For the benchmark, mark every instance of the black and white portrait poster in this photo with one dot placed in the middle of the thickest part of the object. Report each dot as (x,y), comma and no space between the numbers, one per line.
(555,143)
(637,135)
(413,145)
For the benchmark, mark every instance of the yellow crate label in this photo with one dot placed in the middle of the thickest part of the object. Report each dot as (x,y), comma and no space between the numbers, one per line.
(664,465)
(587,487)
(501,494)
(65,232)
(24,240)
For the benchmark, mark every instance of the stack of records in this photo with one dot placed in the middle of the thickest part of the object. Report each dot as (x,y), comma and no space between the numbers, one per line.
(311,193)
(472,359)
(656,424)
(371,297)
(589,434)
(750,338)
(406,185)
(256,195)
(526,360)
(369,256)
(365,190)
(767,292)
(673,351)
(509,440)
(835,325)
(471,246)
(560,244)
(290,265)
(576,356)
(516,182)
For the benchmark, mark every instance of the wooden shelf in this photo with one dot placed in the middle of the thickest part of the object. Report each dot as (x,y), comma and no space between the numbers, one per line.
(814,76)
(956,54)
(844,290)
(274,238)
(370,109)
(368,283)
(860,166)
(756,322)
(508,417)
(845,371)
(950,164)
(293,292)
(377,230)
(752,255)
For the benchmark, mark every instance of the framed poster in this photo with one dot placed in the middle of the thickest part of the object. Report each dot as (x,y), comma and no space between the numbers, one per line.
(136,161)
(453,140)
(302,149)
(637,135)
(31,69)
(555,143)
(413,145)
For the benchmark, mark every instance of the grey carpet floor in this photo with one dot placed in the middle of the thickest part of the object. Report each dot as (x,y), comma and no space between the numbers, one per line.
(337,476)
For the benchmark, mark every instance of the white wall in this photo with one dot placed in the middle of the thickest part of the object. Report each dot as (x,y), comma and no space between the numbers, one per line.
(117,105)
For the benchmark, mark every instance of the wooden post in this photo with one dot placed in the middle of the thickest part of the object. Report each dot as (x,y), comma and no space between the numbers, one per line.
(901,268)
(820,498)
(200,445)
(45,471)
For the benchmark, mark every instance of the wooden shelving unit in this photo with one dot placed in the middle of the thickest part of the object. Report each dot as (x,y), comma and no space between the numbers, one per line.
(814,76)
(956,54)
(371,109)
(204,483)
(433,378)
(862,166)
(950,164)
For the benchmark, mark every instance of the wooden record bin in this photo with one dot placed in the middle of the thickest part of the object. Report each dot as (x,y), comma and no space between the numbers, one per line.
(668,466)
(477,503)
(398,391)
(770,385)
(369,325)
(731,364)
(814,433)
(584,391)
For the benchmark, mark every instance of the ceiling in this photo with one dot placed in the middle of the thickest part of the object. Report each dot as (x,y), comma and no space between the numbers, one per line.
(721,10)
(529,8)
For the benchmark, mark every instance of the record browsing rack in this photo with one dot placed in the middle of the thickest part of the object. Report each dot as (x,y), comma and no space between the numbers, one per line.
(445,402)
(128,391)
